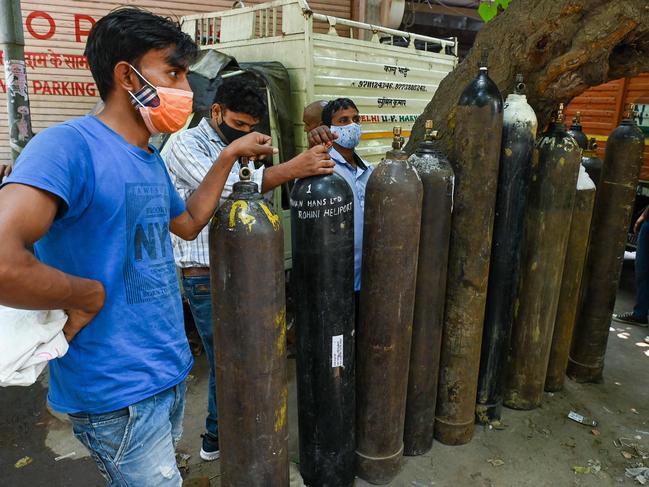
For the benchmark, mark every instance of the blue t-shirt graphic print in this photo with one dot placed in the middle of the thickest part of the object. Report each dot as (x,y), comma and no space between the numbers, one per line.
(149,270)
(112,226)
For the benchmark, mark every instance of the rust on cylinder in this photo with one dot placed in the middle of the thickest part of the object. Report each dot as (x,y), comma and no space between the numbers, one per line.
(613,209)
(478,130)
(391,241)
(246,248)
(571,282)
(547,227)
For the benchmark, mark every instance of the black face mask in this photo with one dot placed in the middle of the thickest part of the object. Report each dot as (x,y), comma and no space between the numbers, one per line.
(230,133)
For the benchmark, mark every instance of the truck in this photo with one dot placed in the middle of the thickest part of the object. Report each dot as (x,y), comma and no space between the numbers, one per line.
(391,75)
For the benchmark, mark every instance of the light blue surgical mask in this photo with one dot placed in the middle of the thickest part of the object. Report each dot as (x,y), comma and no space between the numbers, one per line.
(348,135)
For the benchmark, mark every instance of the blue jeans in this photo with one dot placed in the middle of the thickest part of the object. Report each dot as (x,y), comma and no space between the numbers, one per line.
(136,445)
(197,292)
(642,273)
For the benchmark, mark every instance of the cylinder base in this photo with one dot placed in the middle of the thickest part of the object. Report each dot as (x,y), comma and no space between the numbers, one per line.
(320,483)
(584,373)
(515,401)
(453,433)
(327,478)
(378,470)
(417,446)
(488,413)
(554,384)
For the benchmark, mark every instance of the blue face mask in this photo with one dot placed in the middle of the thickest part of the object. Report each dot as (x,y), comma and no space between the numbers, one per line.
(348,135)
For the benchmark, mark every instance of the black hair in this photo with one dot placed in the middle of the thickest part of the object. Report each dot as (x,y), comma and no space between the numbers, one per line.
(126,34)
(243,95)
(333,106)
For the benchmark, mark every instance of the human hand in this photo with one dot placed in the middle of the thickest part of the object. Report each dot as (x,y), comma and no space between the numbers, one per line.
(314,162)
(253,146)
(5,170)
(79,318)
(639,221)
(321,135)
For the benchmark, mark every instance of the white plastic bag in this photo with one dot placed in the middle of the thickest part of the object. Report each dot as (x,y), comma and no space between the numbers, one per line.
(28,340)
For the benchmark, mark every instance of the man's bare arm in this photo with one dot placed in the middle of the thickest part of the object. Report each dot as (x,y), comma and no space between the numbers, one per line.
(642,218)
(26,214)
(314,162)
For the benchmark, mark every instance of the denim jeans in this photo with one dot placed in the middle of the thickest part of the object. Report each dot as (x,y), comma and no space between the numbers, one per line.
(136,445)
(197,292)
(642,273)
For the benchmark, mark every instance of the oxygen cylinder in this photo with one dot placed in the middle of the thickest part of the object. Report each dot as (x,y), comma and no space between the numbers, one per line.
(615,195)
(438,181)
(519,135)
(391,240)
(478,131)
(577,132)
(322,223)
(550,203)
(591,162)
(246,248)
(571,282)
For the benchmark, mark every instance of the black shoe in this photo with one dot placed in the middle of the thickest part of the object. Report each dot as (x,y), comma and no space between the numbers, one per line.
(631,319)
(210,450)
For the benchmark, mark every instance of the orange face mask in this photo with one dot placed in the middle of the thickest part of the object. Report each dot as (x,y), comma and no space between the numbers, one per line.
(164,110)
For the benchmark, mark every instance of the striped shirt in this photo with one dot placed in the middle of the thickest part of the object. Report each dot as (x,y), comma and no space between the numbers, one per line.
(190,157)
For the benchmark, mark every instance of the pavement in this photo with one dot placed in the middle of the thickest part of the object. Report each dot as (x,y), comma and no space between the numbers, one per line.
(534,448)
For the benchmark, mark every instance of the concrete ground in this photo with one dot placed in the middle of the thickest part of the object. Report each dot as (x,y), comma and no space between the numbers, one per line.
(536,448)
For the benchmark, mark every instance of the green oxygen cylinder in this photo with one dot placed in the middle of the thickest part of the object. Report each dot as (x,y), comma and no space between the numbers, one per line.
(571,282)
(478,132)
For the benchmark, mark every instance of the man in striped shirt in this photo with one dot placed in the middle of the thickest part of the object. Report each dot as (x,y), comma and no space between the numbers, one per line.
(238,107)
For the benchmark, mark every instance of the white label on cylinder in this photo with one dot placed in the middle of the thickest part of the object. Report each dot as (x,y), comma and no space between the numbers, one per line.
(337,351)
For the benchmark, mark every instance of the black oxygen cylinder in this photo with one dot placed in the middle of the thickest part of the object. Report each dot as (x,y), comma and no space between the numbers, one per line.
(478,132)
(611,218)
(548,215)
(438,181)
(390,244)
(577,132)
(591,162)
(249,319)
(322,223)
(518,139)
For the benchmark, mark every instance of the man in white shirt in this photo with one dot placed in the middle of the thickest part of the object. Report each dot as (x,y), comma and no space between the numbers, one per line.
(238,107)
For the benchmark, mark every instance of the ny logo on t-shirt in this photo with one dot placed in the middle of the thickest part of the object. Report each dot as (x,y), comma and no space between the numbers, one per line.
(149,271)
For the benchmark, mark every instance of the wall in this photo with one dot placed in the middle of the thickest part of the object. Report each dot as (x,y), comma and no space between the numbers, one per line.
(602,109)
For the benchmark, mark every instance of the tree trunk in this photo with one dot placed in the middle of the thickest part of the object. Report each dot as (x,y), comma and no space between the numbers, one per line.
(562,47)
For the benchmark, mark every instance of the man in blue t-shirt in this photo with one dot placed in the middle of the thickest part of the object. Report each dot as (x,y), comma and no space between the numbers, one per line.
(97,203)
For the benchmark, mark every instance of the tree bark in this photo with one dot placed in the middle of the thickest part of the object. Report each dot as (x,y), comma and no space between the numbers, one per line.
(562,47)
